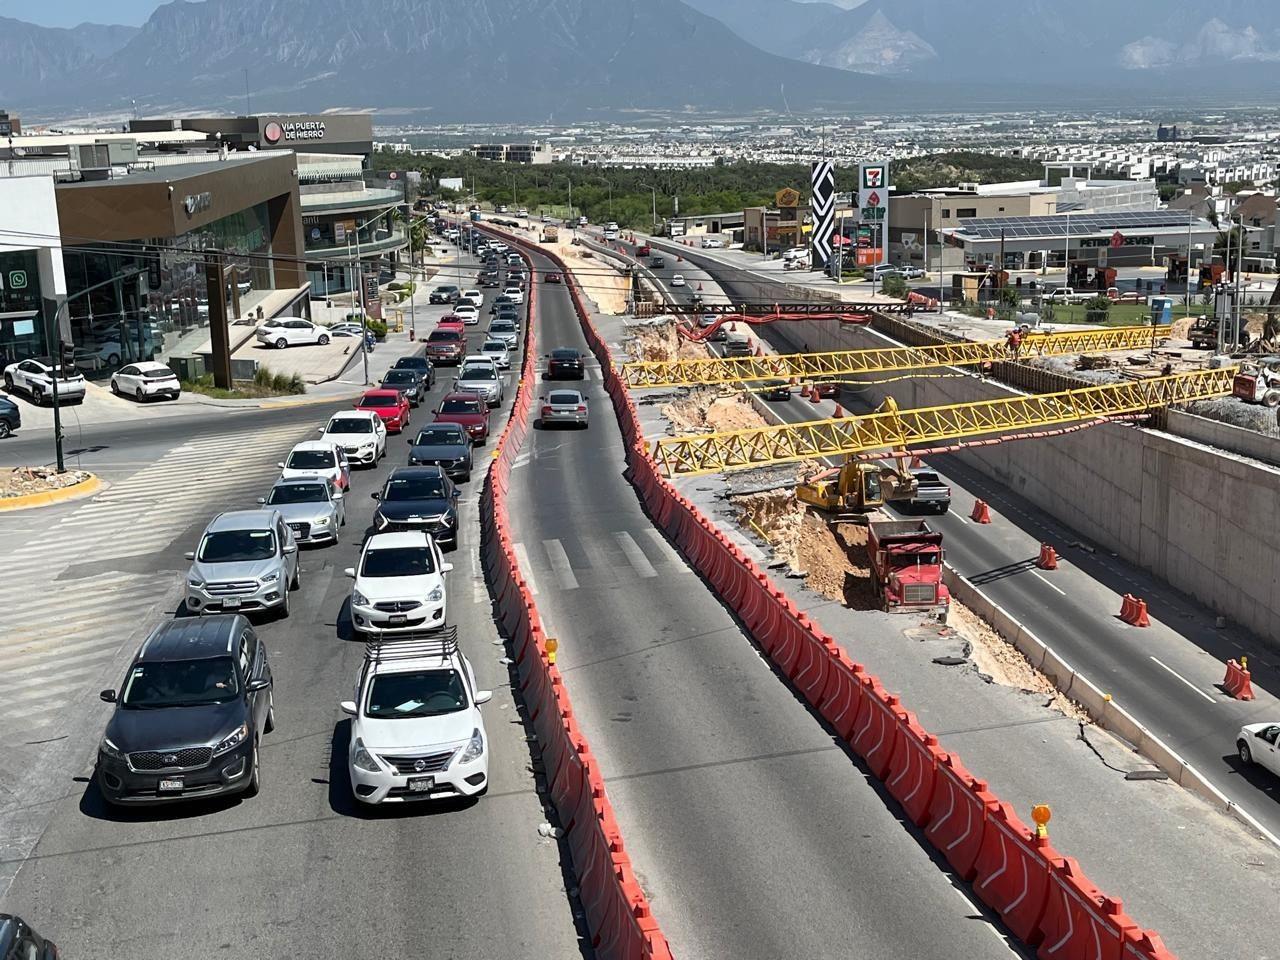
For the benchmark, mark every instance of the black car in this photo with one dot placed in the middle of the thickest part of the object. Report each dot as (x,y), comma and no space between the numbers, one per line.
(10,420)
(419,498)
(422,364)
(408,381)
(657,263)
(490,280)
(499,300)
(445,445)
(189,715)
(565,364)
(19,942)
(776,390)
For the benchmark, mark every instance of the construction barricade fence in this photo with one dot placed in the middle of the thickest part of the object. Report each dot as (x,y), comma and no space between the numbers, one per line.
(1042,897)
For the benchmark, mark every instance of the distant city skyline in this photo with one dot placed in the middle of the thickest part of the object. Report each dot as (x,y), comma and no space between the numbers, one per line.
(69,13)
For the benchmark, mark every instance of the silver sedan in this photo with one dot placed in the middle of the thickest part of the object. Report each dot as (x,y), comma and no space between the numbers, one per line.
(564,407)
(313,507)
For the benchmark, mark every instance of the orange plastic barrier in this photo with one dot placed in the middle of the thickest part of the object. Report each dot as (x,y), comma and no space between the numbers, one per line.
(1133,611)
(1042,897)
(1238,682)
(1048,559)
(981,512)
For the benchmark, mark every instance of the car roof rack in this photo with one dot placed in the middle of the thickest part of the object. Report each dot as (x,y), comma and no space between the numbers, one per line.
(411,645)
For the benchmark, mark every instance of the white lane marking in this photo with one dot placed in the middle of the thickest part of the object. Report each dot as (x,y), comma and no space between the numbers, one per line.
(635,556)
(1184,680)
(560,564)
(526,569)
(1047,583)
(53,675)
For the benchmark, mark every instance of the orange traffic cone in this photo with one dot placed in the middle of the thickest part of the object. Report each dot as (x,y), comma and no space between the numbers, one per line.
(699,286)
(804,391)
(839,412)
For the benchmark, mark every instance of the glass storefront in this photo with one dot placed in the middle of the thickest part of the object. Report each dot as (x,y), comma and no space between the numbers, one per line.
(23,324)
(153,302)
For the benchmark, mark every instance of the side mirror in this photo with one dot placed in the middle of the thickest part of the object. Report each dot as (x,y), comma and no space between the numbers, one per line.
(290,548)
(107,696)
(375,495)
(190,554)
(456,494)
(262,500)
(348,707)
(446,567)
(483,696)
(280,464)
(349,572)
(253,686)
(338,495)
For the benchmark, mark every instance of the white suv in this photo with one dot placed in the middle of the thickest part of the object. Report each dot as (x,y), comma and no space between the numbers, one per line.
(361,433)
(317,458)
(473,297)
(514,292)
(291,331)
(399,585)
(417,732)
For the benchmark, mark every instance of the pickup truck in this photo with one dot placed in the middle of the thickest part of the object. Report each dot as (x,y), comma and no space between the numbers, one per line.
(1069,295)
(928,492)
(906,566)
(1204,334)
(737,345)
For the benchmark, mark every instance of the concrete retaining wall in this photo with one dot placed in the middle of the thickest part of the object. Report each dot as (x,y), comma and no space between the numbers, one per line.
(1205,522)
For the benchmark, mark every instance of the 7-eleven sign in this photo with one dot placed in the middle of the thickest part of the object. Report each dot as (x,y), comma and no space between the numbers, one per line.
(874,176)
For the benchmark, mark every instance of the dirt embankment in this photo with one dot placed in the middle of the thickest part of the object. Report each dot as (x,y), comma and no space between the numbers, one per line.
(22,481)
(706,411)
(662,343)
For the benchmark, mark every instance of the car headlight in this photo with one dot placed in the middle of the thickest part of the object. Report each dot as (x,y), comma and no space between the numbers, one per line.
(194,582)
(269,577)
(359,599)
(363,759)
(110,749)
(232,739)
(474,748)
(380,521)
(436,595)
(366,445)
(320,522)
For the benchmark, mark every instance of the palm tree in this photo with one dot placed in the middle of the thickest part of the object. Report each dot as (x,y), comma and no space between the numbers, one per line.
(1232,240)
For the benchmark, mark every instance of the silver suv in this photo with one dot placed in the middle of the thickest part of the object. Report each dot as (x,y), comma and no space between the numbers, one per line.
(247,561)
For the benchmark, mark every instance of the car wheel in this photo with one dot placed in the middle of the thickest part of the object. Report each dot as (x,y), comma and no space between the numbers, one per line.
(281,343)
(5,429)
(284,606)
(115,388)
(255,775)
(37,395)
(113,360)
(139,395)
(8,382)
(296,582)
(271,717)
(324,339)
(1245,756)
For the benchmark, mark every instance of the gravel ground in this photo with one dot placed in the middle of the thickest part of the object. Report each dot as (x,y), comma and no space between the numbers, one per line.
(21,481)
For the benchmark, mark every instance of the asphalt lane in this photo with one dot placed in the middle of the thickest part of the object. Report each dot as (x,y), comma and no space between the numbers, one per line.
(300,870)
(754,834)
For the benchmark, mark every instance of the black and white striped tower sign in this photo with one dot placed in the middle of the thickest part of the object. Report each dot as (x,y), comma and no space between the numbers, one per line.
(822,207)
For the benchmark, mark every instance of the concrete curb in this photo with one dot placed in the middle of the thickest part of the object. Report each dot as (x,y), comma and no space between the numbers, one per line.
(84,488)
(1103,710)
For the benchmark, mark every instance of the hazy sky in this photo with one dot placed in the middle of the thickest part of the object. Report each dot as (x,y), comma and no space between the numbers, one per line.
(67,13)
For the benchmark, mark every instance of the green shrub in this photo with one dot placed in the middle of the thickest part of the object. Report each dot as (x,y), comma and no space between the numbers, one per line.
(894,286)
(377,328)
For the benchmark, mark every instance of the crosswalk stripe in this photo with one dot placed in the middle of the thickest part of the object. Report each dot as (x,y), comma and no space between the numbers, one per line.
(46,692)
(41,651)
(560,564)
(635,556)
(526,569)
(8,684)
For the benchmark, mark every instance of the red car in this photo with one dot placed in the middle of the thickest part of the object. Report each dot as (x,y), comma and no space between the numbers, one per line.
(451,322)
(446,346)
(467,409)
(553,277)
(391,406)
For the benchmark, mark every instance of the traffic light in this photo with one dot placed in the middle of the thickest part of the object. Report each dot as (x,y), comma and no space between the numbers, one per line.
(66,356)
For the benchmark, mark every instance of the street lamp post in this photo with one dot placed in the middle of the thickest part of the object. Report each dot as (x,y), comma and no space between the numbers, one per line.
(654,190)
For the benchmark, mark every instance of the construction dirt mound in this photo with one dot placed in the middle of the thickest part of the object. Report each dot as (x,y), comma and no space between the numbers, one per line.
(706,411)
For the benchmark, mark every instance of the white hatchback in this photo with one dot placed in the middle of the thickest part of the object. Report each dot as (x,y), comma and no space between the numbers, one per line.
(399,584)
(145,380)
(677,280)
(291,332)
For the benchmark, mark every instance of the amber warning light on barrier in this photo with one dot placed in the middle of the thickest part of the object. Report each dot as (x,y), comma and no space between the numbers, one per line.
(1041,814)
(552,646)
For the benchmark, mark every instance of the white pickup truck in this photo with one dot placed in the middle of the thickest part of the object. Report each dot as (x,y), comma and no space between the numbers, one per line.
(1069,295)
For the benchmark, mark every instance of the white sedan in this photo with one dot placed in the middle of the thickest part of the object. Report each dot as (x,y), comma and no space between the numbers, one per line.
(35,379)
(399,584)
(473,297)
(497,351)
(467,313)
(290,332)
(514,293)
(145,381)
(677,280)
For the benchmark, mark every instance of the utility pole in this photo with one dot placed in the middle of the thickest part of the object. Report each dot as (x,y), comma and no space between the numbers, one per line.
(1239,302)
(1190,218)
(413,291)
(364,310)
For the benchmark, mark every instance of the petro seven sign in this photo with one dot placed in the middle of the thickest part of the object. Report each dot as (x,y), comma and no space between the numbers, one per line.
(292,131)
(1111,241)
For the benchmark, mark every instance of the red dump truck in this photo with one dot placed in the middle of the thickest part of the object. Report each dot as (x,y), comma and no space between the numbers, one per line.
(906,566)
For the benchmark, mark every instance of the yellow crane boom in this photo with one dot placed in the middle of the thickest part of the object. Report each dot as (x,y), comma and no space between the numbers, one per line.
(713,370)
(896,430)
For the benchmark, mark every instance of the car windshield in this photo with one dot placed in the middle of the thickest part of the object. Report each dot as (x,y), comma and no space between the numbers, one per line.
(411,363)
(434,436)
(494,346)
(564,354)
(298,493)
(502,328)
(460,406)
(562,398)
(477,373)
(438,335)
(234,546)
(413,488)
(379,401)
(398,562)
(399,376)
(421,693)
(350,425)
(180,683)
(310,460)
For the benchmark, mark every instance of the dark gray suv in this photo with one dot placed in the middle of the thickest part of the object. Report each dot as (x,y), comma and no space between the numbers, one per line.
(189,715)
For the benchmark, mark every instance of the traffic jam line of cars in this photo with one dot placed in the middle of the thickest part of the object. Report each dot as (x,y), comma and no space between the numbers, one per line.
(197,697)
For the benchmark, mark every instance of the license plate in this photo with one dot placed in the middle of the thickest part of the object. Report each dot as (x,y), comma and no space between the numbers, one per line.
(421,784)
(397,619)
(231,603)
(171,786)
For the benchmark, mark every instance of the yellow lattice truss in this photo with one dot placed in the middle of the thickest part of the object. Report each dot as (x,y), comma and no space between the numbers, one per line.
(897,430)
(803,366)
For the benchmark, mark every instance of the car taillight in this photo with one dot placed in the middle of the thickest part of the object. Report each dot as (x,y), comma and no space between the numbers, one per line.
(546,411)
(948,491)
(581,408)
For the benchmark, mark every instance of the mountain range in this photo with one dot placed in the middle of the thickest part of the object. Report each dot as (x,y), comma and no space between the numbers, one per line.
(540,60)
